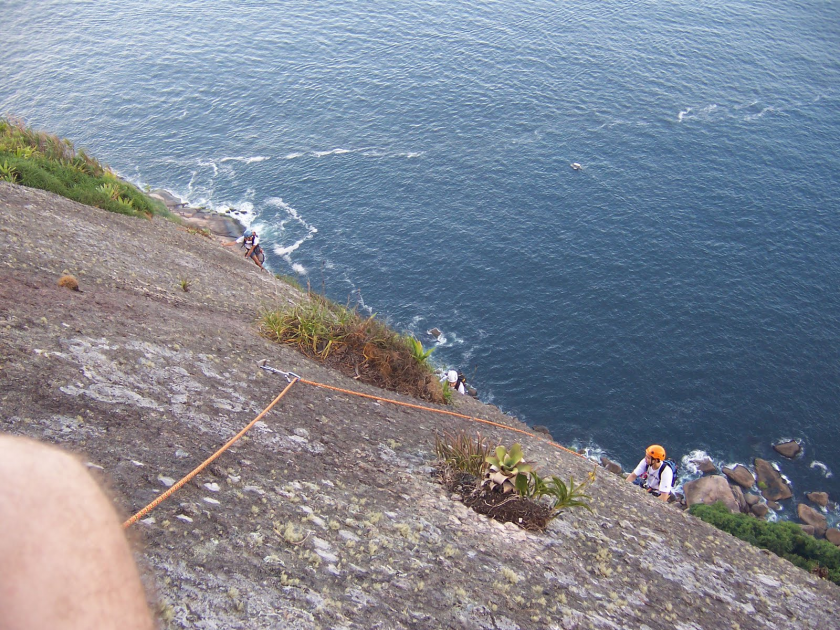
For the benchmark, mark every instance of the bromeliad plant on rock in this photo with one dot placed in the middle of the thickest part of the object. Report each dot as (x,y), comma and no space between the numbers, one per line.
(499,483)
(508,471)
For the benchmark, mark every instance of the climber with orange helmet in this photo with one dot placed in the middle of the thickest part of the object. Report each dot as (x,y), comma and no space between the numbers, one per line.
(655,473)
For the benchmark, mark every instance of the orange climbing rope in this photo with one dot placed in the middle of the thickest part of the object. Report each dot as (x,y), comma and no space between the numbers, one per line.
(442,411)
(206,462)
(294,378)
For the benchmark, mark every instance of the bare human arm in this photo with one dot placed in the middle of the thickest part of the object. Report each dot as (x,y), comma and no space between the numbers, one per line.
(65,560)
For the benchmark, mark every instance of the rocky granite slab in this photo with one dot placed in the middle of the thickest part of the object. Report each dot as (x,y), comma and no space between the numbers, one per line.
(325,515)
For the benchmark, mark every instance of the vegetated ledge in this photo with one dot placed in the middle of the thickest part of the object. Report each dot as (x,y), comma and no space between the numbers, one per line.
(326,514)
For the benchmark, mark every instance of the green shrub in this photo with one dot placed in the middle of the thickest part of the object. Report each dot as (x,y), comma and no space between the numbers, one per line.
(40,160)
(290,280)
(464,452)
(785,539)
(361,347)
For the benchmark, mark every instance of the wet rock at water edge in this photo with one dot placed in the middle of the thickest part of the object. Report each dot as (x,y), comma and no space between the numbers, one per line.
(705,466)
(770,481)
(613,467)
(810,516)
(820,498)
(832,535)
(789,449)
(544,430)
(740,475)
(739,497)
(760,510)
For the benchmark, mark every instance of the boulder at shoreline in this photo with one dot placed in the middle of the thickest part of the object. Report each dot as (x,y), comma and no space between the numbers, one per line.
(709,490)
(789,449)
(770,481)
(820,498)
(810,516)
(740,475)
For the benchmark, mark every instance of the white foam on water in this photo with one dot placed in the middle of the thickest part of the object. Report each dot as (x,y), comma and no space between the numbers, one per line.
(246,160)
(331,152)
(210,163)
(299,269)
(787,480)
(825,470)
(445,341)
(285,251)
(242,211)
(687,462)
(293,155)
(760,114)
(591,451)
(704,113)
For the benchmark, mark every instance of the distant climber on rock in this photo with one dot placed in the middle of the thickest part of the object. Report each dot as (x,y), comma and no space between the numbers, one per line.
(251,242)
(655,473)
(456,381)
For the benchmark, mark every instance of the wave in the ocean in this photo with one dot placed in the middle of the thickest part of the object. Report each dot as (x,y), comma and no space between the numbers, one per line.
(246,160)
(285,250)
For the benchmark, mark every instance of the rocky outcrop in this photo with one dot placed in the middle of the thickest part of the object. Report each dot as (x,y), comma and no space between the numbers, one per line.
(543,430)
(740,475)
(760,510)
(772,486)
(832,535)
(789,449)
(613,467)
(820,498)
(326,514)
(709,490)
(705,466)
(739,498)
(810,516)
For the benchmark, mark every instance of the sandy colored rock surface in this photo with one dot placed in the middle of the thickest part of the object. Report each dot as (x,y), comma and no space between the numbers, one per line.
(709,490)
(810,516)
(820,498)
(789,449)
(740,475)
(770,481)
(326,515)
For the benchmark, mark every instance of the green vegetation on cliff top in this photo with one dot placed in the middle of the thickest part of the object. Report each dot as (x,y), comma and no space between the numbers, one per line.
(41,160)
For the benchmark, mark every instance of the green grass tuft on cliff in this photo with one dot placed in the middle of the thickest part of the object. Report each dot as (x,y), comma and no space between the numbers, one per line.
(41,160)
(785,539)
(361,347)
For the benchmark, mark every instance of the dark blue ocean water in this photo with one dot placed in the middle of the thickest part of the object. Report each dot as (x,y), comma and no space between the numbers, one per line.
(682,288)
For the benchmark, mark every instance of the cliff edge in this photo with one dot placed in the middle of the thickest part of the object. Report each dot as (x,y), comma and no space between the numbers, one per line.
(325,515)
